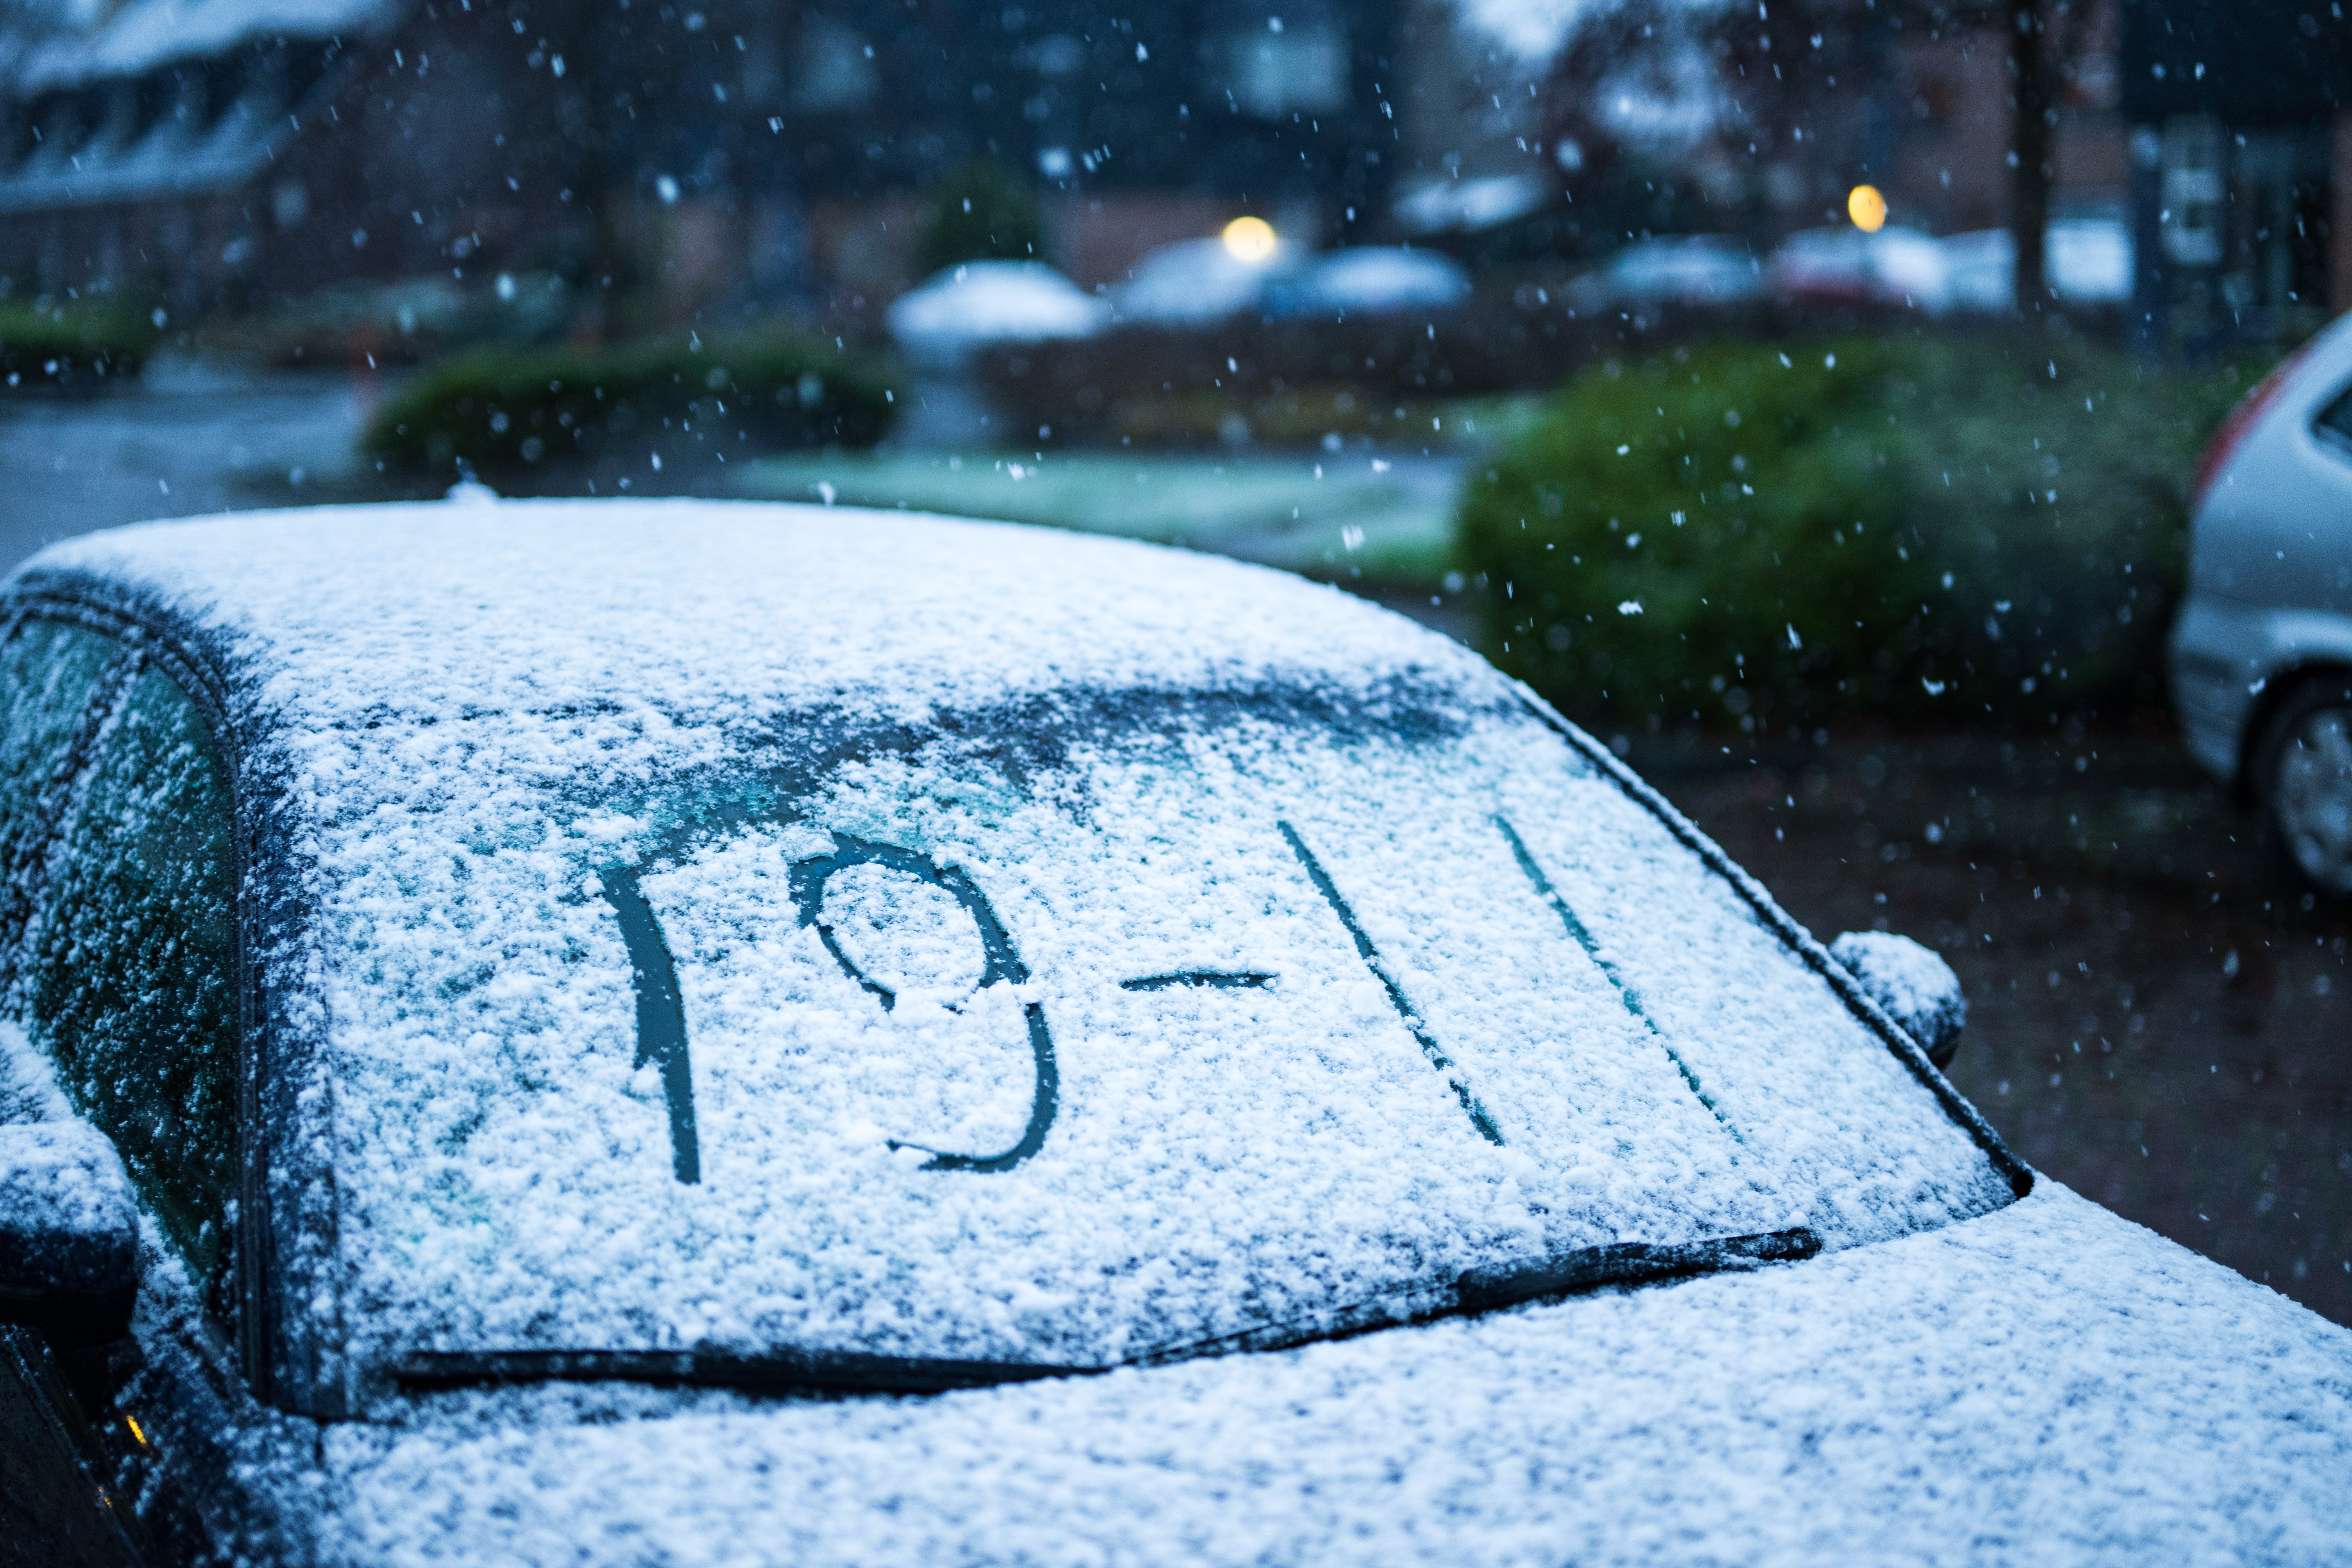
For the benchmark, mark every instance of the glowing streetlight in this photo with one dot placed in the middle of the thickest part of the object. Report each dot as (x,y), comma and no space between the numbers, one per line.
(1249,240)
(1866,207)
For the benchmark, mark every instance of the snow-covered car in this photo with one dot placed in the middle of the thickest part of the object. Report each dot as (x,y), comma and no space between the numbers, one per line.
(981,302)
(1199,282)
(2086,261)
(2262,651)
(1369,280)
(630,1032)
(1698,269)
(1845,266)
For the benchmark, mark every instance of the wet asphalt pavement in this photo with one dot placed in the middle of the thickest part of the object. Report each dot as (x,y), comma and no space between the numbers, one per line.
(2156,1018)
(191,438)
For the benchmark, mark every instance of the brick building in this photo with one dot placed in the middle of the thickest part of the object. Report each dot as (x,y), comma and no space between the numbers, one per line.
(223,151)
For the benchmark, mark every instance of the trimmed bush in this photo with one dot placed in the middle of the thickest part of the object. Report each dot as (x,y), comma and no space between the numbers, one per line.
(1915,529)
(679,396)
(61,346)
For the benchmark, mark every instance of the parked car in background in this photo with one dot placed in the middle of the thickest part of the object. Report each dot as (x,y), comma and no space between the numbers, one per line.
(1195,282)
(2262,652)
(2086,261)
(1369,280)
(1455,205)
(1698,269)
(624,1031)
(1845,266)
(969,306)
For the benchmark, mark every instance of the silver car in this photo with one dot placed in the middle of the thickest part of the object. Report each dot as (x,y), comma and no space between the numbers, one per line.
(2261,655)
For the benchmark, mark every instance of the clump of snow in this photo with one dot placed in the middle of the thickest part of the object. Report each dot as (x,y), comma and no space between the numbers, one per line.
(464,718)
(1912,983)
(62,1179)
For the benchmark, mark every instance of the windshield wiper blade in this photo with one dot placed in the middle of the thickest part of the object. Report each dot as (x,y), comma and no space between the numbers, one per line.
(1626,1263)
(1579,1272)
(779,1372)
(1575,1273)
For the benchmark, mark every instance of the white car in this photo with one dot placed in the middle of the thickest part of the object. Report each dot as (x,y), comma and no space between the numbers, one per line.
(1698,269)
(981,302)
(608,1033)
(1370,280)
(2262,652)
(1844,266)
(1199,282)
(2084,261)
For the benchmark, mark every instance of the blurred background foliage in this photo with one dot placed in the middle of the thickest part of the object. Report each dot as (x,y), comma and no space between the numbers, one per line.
(980,211)
(1917,528)
(677,396)
(53,343)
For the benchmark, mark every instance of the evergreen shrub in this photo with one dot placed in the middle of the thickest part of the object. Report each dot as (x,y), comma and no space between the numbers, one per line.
(1917,528)
(83,343)
(680,395)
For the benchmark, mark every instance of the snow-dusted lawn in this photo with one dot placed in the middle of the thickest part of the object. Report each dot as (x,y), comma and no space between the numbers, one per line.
(1314,513)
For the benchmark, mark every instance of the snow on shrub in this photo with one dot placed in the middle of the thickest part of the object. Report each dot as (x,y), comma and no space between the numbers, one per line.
(680,396)
(1915,529)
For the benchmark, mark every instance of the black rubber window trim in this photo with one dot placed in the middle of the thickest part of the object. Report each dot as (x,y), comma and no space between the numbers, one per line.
(2332,426)
(1774,918)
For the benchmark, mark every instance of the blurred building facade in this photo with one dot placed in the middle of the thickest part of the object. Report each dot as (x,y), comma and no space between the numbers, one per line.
(213,151)
(1667,117)
(2241,114)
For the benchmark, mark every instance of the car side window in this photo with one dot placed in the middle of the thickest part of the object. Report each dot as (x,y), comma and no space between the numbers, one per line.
(50,673)
(2333,424)
(130,969)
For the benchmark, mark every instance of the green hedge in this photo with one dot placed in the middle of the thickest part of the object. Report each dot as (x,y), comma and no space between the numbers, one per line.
(1916,528)
(69,345)
(682,397)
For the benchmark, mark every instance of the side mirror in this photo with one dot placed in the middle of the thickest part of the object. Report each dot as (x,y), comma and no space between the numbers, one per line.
(68,1233)
(1913,984)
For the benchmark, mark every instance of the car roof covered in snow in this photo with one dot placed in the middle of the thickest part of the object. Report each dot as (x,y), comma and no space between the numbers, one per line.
(717,613)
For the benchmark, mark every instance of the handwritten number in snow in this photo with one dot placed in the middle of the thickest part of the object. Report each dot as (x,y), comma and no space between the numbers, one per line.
(1626,994)
(1397,998)
(661,1016)
(1242,980)
(998,963)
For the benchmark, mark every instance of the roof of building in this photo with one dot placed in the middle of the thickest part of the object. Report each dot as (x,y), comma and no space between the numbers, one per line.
(147,33)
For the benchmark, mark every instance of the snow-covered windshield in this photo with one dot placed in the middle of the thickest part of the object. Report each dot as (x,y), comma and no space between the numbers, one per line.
(1094,1026)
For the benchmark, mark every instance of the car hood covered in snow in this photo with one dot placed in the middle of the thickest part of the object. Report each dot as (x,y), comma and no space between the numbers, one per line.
(2045,1384)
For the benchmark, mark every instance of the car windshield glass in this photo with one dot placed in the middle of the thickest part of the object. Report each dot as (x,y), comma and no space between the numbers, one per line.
(1092,1028)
